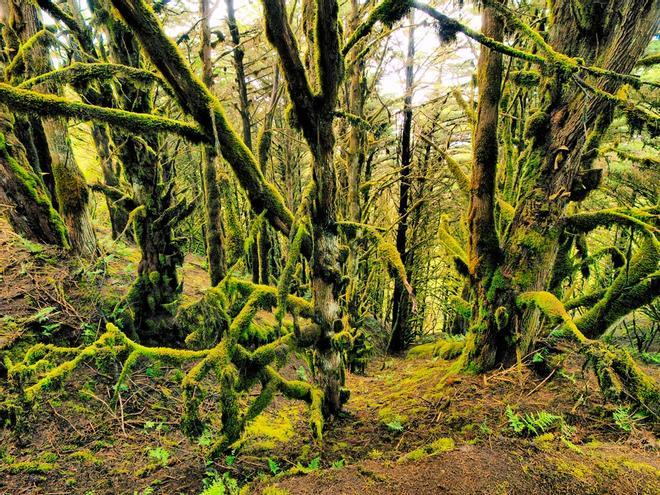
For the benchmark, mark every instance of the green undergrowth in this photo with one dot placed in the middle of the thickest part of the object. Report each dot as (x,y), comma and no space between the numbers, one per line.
(434,448)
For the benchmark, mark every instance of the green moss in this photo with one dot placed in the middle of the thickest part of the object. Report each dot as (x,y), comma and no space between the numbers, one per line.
(436,447)
(525,78)
(273,490)
(31,467)
(545,442)
(22,100)
(35,190)
(85,456)
(537,125)
(269,430)
(422,351)
(449,348)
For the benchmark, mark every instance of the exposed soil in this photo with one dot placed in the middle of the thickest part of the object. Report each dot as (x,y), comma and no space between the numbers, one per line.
(75,442)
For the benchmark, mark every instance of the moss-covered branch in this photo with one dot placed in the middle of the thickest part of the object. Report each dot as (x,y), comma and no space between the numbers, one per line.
(206,109)
(618,375)
(636,285)
(26,101)
(79,74)
(462,179)
(588,221)
(386,12)
(237,368)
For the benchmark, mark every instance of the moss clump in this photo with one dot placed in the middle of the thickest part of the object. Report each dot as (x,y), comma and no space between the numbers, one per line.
(544,442)
(437,447)
(526,78)
(421,351)
(449,348)
(85,456)
(537,125)
(31,467)
(268,430)
(273,490)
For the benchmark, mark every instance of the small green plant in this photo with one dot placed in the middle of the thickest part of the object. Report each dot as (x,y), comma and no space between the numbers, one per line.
(205,438)
(338,464)
(160,454)
(89,333)
(215,484)
(395,426)
(313,465)
(154,371)
(302,374)
(534,423)
(650,357)
(273,466)
(626,419)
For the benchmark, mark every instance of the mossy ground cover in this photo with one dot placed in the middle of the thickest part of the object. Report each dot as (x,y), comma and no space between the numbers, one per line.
(409,427)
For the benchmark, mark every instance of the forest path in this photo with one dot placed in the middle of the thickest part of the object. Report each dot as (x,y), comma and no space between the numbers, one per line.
(409,432)
(405,429)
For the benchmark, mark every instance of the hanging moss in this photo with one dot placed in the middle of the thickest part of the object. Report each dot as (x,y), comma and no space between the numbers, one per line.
(452,245)
(387,12)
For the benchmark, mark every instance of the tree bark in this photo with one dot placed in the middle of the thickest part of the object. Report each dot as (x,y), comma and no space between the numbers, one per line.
(23,196)
(401,303)
(491,346)
(215,251)
(70,185)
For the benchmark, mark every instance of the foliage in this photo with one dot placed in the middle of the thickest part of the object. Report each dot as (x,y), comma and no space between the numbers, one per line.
(532,423)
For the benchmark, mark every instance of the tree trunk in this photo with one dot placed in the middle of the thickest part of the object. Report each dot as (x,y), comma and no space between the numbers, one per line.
(70,185)
(491,346)
(215,251)
(154,294)
(563,137)
(401,303)
(246,122)
(102,96)
(23,196)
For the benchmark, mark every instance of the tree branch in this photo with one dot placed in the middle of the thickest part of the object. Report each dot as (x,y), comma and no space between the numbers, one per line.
(26,101)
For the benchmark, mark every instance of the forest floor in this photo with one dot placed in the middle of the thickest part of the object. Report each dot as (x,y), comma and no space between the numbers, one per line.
(408,428)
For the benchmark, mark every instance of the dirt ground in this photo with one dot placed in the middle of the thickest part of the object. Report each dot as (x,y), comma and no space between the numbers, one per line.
(408,428)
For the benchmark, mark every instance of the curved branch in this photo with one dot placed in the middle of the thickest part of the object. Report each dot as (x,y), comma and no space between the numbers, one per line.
(206,109)
(80,73)
(26,101)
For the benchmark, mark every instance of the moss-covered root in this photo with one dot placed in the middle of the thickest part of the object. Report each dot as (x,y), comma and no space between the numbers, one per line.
(444,349)
(618,375)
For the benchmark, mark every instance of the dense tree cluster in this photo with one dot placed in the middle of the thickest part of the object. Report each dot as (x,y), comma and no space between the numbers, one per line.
(510,212)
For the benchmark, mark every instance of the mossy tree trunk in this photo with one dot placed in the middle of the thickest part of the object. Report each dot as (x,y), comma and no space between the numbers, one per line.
(401,303)
(24,199)
(562,141)
(314,113)
(101,95)
(70,185)
(238,55)
(491,344)
(154,294)
(355,102)
(215,252)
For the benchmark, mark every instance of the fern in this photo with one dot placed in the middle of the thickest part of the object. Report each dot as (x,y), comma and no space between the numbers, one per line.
(533,424)
(515,422)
